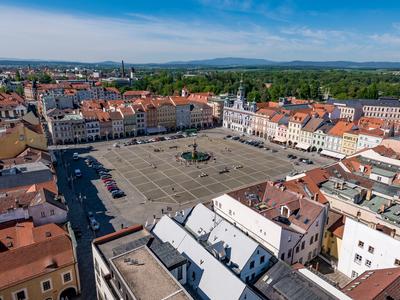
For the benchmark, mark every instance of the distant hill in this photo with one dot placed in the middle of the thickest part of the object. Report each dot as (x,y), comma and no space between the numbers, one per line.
(225,61)
(222,62)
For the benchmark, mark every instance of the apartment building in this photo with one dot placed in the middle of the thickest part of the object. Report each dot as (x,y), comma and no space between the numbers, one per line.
(365,248)
(382,108)
(37,262)
(334,138)
(12,106)
(306,140)
(92,125)
(375,285)
(296,123)
(285,222)
(133,264)
(205,270)
(182,112)
(349,142)
(117,123)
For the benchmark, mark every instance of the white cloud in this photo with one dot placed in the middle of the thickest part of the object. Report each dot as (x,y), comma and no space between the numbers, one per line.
(27,33)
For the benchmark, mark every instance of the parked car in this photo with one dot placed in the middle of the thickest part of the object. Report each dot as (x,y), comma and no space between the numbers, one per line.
(75,156)
(78,173)
(274,151)
(117,194)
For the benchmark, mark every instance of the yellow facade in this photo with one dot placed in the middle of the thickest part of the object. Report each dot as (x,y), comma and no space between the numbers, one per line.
(331,245)
(349,143)
(33,288)
(17,139)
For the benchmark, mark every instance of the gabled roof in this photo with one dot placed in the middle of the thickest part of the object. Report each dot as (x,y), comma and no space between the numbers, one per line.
(341,127)
(213,271)
(201,221)
(299,117)
(313,124)
(375,284)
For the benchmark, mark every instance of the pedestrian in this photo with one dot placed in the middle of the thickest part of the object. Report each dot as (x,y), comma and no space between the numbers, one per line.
(162,211)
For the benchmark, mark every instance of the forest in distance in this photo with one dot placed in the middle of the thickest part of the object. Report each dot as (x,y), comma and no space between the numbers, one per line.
(264,85)
(269,85)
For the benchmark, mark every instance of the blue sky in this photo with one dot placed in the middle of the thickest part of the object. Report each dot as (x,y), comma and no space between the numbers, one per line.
(160,31)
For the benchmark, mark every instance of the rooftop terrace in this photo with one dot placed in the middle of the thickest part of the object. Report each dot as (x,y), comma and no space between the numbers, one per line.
(146,277)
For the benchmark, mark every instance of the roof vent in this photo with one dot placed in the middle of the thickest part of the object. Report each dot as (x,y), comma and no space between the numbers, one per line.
(48,234)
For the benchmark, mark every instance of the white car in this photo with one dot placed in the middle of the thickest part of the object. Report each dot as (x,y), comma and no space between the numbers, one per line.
(78,173)
(75,156)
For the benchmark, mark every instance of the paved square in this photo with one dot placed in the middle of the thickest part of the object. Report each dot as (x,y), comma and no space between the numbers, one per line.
(155,181)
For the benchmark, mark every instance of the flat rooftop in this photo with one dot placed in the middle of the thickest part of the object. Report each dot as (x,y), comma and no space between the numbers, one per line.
(146,277)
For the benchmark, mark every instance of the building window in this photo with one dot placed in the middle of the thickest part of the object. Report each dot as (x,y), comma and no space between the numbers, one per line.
(52,212)
(20,295)
(311,240)
(357,258)
(379,178)
(252,264)
(42,214)
(46,285)
(360,244)
(368,263)
(397,262)
(283,256)
(303,244)
(297,249)
(371,249)
(262,259)
(316,237)
(67,277)
(354,274)
(180,276)
(290,253)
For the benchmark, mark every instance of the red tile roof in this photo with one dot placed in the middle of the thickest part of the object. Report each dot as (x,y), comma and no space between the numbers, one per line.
(375,284)
(28,251)
(341,127)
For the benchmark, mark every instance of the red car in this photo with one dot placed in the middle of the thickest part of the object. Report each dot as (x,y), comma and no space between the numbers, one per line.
(107,179)
(112,187)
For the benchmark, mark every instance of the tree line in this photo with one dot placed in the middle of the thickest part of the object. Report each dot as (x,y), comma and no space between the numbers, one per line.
(269,85)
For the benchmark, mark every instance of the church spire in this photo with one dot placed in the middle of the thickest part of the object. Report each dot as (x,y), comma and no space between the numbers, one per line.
(240,93)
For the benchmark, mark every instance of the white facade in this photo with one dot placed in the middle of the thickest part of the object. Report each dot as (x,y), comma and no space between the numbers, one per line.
(364,248)
(333,143)
(368,141)
(288,244)
(241,115)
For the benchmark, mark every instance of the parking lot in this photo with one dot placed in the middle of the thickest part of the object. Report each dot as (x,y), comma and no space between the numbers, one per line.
(156,182)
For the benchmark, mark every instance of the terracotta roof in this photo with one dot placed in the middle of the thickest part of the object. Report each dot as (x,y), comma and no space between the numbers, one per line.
(375,284)
(306,187)
(103,116)
(176,100)
(200,97)
(115,115)
(341,127)
(113,89)
(276,118)
(266,112)
(29,251)
(137,93)
(299,117)
(268,198)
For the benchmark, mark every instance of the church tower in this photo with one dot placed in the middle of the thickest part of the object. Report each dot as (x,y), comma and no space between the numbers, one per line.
(240,93)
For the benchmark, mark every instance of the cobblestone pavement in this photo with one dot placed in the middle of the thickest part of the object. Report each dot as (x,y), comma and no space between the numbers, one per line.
(156,183)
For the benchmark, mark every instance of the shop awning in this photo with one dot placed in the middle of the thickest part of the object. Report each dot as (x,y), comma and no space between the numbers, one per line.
(151,130)
(280,139)
(333,154)
(303,146)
